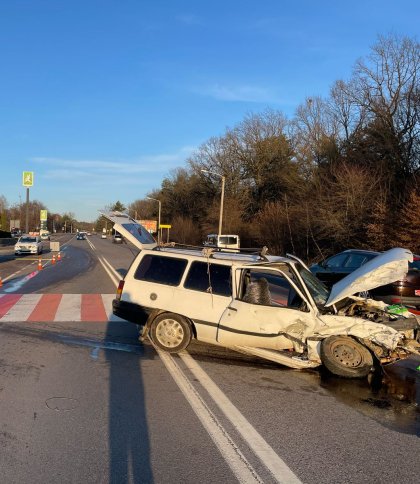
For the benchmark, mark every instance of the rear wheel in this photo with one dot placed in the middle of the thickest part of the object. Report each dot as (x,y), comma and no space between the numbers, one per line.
(344,356)
(170,332)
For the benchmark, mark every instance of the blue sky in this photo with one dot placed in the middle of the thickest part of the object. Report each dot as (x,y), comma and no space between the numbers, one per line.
(102,99)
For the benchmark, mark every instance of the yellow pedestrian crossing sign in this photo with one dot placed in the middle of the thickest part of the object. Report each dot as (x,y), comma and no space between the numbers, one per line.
(28,178)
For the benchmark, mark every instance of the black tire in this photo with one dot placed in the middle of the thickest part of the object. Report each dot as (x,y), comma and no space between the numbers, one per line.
(170,332)
(346,357)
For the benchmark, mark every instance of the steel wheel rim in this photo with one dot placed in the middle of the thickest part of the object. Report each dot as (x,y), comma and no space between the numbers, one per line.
(169,333)
(347,354)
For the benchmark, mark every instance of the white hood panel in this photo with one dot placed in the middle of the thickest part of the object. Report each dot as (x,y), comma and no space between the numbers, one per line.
(385,268)
(131,230)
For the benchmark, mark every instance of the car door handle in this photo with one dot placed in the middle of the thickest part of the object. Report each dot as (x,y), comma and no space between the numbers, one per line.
(231,308)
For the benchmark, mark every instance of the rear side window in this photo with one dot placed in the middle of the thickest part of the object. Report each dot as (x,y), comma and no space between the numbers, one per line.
(213,278)
(162,270)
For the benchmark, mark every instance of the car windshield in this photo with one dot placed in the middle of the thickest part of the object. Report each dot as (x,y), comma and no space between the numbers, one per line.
(316,288)
(27,239)
(415,264)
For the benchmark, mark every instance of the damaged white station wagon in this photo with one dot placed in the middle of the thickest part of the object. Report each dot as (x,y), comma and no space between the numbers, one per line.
(268,306)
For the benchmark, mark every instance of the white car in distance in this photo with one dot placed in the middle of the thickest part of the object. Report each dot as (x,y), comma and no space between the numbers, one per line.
(28,244)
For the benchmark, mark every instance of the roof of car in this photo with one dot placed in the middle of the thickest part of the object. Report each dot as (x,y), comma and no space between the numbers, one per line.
(362,251)
(237,258)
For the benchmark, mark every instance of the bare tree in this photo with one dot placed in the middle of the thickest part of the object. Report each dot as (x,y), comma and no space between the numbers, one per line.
(185,231)
(342,198)
(315,133)
(378,230)
(347,113)
(387,89)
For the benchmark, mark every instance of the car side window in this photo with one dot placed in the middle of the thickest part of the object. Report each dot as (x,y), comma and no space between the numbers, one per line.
(355,260)
(214,278)
(269,289)
(162,270)
(336,261)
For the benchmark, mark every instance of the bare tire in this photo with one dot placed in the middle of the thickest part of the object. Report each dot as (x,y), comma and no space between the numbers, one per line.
(170,332)
(344,356)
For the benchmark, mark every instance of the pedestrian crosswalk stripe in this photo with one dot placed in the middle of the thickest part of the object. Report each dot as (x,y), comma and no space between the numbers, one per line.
(57,307)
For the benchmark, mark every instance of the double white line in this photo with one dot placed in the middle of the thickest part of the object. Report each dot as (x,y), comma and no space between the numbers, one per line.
(229,450)
(239,465)
(112,273)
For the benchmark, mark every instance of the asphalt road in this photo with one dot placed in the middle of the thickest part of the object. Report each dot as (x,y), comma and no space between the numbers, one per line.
(82,400)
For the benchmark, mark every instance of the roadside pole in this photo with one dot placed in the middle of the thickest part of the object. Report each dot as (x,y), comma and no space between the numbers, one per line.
(27,181)
(27,212)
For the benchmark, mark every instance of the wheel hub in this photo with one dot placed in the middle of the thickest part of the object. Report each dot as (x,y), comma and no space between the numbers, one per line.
(169,332)
(347,355)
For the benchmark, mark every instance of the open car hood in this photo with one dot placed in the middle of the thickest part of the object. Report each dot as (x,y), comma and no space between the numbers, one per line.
(131,230)
(388,267)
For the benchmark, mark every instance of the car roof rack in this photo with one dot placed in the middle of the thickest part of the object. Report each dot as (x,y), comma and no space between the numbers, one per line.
(261,252)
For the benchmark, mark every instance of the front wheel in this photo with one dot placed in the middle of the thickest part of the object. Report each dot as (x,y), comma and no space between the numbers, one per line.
(346,357)
(170,332)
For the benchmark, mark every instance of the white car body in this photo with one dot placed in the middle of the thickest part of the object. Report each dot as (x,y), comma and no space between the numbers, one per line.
(287,329)
(28,244)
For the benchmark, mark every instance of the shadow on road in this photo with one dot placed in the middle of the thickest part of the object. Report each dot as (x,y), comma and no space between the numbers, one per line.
(129,448)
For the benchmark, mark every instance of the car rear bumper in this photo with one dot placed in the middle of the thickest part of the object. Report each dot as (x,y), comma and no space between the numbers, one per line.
(130,312)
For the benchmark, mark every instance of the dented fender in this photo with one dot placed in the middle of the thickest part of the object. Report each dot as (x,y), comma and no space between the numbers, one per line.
(377,333)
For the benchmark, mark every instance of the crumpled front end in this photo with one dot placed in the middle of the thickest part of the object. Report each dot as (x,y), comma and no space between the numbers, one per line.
(391,333)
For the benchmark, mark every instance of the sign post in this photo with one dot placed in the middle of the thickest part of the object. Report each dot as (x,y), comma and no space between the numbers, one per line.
(27,181)
(166,226)
(43,216)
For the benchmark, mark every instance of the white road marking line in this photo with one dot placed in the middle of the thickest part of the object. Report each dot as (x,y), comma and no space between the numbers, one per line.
(23,308)
(17,272)
(91,244)
(110,274)
(69,308)
(117,274)
(277,467)
(242,469)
